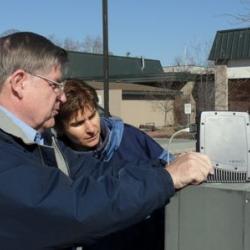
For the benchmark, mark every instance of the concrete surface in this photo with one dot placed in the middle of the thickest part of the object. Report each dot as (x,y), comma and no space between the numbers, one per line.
(178,145)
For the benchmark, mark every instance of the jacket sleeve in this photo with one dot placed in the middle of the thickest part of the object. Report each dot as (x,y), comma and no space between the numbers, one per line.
(42,205)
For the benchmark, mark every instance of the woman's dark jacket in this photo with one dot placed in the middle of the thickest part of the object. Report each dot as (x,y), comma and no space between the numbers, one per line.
(122,142)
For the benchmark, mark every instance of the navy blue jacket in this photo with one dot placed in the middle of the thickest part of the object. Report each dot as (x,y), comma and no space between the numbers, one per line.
(122,142)
(42,208)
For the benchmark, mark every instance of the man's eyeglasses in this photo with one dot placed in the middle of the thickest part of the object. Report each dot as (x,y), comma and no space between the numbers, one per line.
(58,87)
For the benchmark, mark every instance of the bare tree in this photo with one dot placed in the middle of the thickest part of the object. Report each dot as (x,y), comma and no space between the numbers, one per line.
(97,45)
(87,44)
(93,45)
(163,101)
(195,54)
(243,17)
(70,44)
(195,63)
(166,107)
(90,44)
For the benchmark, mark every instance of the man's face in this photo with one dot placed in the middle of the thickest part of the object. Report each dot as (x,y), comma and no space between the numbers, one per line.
(84,128)
(43,99)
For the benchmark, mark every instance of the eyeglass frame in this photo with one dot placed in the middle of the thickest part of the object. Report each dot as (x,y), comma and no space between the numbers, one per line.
(56,86)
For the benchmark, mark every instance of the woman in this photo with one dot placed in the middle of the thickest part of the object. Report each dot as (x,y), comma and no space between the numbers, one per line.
(80,126)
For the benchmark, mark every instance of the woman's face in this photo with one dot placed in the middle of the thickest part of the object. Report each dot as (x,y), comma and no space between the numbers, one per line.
(84,129)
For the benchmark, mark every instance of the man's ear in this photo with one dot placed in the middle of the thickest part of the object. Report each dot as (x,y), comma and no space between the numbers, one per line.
(17,82)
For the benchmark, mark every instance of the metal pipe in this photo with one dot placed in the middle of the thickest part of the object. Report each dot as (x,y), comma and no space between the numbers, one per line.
(105,57)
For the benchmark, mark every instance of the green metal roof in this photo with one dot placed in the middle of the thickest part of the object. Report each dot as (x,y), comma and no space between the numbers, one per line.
(231,44)
(90,66)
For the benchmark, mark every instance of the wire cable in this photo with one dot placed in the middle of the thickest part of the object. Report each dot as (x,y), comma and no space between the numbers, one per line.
(186,130)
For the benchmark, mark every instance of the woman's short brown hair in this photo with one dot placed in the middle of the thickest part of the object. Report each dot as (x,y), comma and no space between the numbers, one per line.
(79,95)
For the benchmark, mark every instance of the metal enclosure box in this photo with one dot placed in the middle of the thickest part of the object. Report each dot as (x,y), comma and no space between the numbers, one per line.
(211,216)
(225,138)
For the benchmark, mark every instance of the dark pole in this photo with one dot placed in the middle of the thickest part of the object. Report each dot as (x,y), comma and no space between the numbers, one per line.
(105,56)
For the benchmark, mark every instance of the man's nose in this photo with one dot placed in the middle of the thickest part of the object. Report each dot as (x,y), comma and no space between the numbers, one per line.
(62,97)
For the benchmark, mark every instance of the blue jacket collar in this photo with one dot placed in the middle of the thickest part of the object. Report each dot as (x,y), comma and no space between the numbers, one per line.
(115,127)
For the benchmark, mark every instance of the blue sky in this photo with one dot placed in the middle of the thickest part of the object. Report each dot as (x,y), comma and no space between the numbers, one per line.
(155,29)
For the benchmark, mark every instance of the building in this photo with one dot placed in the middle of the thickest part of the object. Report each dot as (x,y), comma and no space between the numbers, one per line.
(197,85)
(136,92)
(231,55)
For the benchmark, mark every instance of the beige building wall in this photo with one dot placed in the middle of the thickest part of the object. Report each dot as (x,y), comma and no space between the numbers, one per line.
(115,100)
(138,112)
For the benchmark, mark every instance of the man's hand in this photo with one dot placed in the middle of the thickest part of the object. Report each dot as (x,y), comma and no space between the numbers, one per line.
(190,168)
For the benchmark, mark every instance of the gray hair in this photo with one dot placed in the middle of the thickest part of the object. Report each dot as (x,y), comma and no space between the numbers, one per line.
(30,52)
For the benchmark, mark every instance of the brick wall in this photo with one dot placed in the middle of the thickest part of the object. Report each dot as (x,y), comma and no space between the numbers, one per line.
(239,95)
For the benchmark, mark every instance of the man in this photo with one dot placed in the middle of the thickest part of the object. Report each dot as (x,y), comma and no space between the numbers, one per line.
(41,207)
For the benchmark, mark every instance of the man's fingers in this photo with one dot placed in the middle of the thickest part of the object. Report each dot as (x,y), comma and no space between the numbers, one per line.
(190,168)
(203,161)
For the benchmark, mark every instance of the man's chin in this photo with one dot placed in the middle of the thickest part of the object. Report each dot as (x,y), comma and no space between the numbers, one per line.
(49,123)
